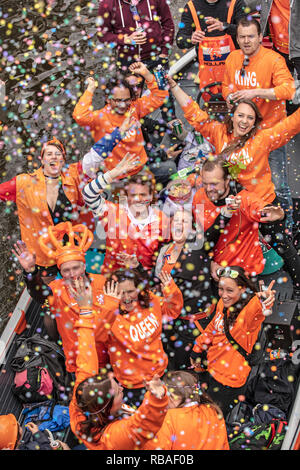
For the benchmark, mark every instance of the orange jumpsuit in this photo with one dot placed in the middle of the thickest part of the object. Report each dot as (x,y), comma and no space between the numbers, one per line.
(256,177)
(192,427)
(123,434)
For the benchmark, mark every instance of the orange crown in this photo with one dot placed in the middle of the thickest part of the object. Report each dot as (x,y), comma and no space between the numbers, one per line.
(54,246)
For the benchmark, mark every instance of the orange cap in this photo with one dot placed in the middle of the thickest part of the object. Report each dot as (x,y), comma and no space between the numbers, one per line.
(8,431)
(54,246)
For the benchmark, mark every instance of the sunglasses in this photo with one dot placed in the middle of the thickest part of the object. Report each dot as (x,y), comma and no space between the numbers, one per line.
(245,64)
(121,100)
(227,272)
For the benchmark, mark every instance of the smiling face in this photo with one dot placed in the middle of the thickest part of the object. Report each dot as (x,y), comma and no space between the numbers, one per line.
(72,270)
(215,185)
(120,100)
(52,161)
(249,39)
(129,298)
(139,197)
(229,291)
(181,226)
(243,120)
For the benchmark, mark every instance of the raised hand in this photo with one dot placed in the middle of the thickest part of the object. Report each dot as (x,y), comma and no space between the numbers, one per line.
(127,164)
(112,289)
(156,387)
(92,84)
(81,291)
(271,213)
(128,122)
(25,257)
(140,69)
(267,296)
(128,261)
(165,278)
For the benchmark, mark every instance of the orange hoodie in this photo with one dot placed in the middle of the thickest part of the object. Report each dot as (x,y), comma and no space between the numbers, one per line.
(256,177)
(105,120)
(225,363)
(123,434)
(267,69)
(66,312)
(134,341)
(192,427)
(238,244)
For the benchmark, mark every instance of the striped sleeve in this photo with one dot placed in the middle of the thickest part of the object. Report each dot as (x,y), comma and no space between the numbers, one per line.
(92,194)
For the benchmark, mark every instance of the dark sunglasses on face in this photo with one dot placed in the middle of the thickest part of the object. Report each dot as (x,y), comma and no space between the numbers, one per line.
(121,100)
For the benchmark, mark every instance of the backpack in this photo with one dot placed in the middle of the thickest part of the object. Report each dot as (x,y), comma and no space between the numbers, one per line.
(36,363)
(274,384)
(265,436)
(33,385)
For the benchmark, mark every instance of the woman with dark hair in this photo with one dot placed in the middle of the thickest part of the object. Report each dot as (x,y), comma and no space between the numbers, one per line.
(48,196)
(230,337)
(193,420)
(134,339)
(97,413)
(246,148)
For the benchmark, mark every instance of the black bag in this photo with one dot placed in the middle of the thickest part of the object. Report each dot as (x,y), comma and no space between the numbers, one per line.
(274,384)
(36,357)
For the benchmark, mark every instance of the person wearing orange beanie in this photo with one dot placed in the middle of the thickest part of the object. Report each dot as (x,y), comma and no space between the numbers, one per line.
(66,244)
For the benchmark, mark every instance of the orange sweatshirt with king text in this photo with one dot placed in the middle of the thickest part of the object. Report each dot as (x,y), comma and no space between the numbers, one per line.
(267,69)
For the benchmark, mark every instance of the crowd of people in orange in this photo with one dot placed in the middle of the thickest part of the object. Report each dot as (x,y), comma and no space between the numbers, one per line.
(145,335)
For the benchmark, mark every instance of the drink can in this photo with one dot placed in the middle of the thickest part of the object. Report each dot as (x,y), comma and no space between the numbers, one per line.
(199,138)
(160,76)
(140,29)
(177,127)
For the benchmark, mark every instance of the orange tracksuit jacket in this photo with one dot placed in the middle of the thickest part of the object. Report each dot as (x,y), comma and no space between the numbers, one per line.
(238,244)
(123,434)
(134,341)
(267,69)
(28,191)
(105,120)
(225,363)
(256,177)
(193,427)
(66,312)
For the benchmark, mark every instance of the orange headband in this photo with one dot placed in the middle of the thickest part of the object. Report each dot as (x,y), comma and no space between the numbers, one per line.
(57,144)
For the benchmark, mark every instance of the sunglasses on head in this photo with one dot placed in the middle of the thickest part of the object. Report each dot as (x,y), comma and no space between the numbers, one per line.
(245,64)
(227,272)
